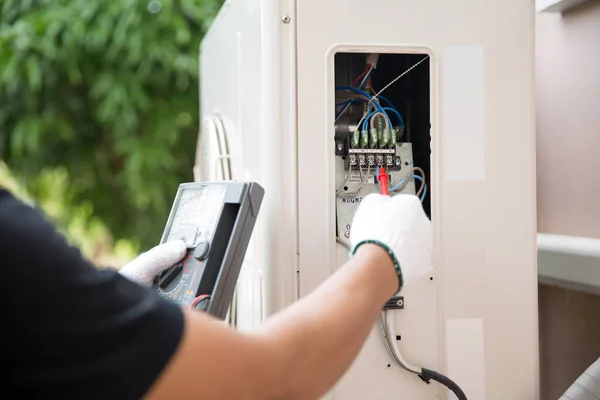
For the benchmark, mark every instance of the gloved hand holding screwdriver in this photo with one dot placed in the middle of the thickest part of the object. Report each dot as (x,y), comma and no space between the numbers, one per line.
(398,225)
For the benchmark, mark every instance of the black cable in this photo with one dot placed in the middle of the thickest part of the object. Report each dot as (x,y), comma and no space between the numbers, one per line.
(427,375)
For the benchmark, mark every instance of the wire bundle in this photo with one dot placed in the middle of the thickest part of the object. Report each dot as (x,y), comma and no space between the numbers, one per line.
(400,186)
(363,97)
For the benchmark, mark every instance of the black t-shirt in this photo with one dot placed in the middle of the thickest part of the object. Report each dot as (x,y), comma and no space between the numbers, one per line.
(70,330)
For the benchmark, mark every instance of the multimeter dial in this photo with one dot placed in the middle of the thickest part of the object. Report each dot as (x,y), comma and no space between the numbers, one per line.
(175,282)
(194,217)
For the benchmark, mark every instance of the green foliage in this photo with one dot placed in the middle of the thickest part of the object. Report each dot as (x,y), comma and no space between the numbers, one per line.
(76,222)
(102,96)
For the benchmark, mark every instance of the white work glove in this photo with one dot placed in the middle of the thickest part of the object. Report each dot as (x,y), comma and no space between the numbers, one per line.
(399,225)
(146,266)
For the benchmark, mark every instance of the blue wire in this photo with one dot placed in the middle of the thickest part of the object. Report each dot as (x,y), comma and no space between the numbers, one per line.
(387,101)
(398,185)
(415,177)
(400,120)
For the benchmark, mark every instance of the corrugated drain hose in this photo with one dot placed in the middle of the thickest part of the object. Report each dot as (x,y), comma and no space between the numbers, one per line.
(427,374)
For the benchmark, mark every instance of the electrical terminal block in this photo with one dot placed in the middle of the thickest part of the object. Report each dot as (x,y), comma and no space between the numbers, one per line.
(353,160)
(389,160)
(362,160)
(371,160)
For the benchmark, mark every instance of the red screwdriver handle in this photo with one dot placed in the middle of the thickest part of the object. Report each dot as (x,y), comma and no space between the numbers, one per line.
(383,182)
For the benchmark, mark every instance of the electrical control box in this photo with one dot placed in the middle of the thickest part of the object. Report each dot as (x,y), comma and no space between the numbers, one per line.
(313,99)
(375,132)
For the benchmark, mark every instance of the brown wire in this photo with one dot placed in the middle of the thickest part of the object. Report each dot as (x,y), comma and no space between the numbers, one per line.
(401,188)
(422,182)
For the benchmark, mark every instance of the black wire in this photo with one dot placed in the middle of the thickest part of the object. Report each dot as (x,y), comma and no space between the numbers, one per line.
(427,374)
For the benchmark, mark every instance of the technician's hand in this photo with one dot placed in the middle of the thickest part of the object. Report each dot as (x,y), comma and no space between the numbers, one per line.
(147,265)
(399,225)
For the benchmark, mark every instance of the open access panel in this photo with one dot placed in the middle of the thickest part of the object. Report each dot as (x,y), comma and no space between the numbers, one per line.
(383,126)
(382,123)
(215,220)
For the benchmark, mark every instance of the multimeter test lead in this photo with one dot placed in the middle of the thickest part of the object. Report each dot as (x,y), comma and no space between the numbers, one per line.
(383,179)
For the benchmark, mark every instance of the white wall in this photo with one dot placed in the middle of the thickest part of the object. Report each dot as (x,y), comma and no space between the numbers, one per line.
(568,121)
(568,181)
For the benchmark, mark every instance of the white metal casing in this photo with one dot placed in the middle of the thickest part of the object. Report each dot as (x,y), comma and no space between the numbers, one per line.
(267,71)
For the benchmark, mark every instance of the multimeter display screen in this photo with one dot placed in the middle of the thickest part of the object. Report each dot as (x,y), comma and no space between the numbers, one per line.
(196,214)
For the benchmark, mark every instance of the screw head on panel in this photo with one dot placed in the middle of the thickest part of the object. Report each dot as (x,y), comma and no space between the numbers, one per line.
(286,19)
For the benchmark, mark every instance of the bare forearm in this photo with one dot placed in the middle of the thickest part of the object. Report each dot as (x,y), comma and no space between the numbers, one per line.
(298,354)
(320,335)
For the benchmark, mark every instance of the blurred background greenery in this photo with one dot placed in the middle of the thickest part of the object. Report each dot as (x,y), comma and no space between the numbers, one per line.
(99,114)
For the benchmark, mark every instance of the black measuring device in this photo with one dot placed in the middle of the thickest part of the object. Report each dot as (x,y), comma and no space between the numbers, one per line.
(215,220)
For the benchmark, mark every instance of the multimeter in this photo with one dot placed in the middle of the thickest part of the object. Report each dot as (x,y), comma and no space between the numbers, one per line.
(215,220)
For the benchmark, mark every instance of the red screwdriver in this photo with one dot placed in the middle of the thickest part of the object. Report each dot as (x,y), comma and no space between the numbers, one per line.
(383,178)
